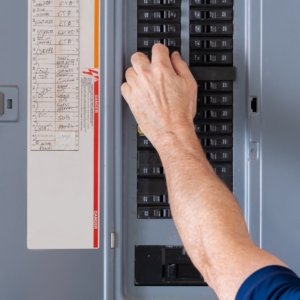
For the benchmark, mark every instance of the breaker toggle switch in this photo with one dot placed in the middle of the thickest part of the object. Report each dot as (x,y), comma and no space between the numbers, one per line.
(215,99)
(151,171)
(216,15)
(198,14)
(212,2)
(159,2)
(222,170)
(152,186)
(214,128)
(214,113)
(171,271)
(149,163)
(149,42)
(218,86)
(165,266)
(223,141)
(211,43)
(159,15)
(212,29)
(143,142)
(155,199)
(211,58)
(162,28)
(219,155)
(154,213)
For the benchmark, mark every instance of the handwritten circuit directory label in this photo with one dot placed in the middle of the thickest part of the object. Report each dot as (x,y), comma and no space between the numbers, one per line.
(55,57)
(63,124)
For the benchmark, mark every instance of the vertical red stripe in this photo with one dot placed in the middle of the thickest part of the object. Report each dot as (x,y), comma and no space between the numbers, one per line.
(96,162)
(96,124)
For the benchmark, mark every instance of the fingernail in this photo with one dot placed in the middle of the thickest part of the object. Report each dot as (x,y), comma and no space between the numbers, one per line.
(176,53)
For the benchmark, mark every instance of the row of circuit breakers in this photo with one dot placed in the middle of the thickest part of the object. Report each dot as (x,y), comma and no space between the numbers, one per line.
(211,62)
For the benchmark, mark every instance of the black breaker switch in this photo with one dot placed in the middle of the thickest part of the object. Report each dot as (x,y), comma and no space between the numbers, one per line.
(212,29)
(217,141)
(154,212)
(214,99)
(213,127)
(223,170)
(152,186)
(153,200)
(159,2)
(165,266)
(211,58)
(168,42)
(149,163)
(159,28)
(217,86)
(154,15)
(211,43)
(212,2)
(215,15)
(216,113)
(143,142)
(218,155)
(149,54)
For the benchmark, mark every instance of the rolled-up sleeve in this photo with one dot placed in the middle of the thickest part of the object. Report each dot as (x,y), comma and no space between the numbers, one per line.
(270,283)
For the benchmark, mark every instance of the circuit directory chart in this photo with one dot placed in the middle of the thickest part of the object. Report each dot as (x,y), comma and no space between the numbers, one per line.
(55,75)
(63,124)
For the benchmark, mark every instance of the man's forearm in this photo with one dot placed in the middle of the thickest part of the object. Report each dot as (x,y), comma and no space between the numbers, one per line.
(196,194)
(206,214)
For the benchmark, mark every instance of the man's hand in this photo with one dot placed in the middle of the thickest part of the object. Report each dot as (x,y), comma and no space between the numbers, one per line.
(161,93)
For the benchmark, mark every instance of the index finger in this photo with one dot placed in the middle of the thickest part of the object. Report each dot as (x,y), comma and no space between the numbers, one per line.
(160,55)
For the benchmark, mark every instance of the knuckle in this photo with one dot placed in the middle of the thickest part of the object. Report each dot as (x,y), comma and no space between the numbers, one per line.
(161,66)
(134,58)
(128,71)
(184,63)
(195,84)
(134,55)
(143,71)
(123,88)
(137,56)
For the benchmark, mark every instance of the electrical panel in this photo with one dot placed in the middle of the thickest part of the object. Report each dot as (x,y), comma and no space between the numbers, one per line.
(247,122)
(211,61)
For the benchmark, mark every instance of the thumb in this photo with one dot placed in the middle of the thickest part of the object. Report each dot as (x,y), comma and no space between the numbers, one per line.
(180,66)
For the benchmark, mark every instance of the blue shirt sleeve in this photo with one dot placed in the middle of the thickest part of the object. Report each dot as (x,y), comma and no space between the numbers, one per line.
(270,283)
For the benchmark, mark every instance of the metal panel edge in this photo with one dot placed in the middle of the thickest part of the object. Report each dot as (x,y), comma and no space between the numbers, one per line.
(107,145)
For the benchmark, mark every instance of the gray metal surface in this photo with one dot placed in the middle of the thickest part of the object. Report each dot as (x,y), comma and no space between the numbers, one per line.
(265,184)
(1,104)
(280,125)
(273,187)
